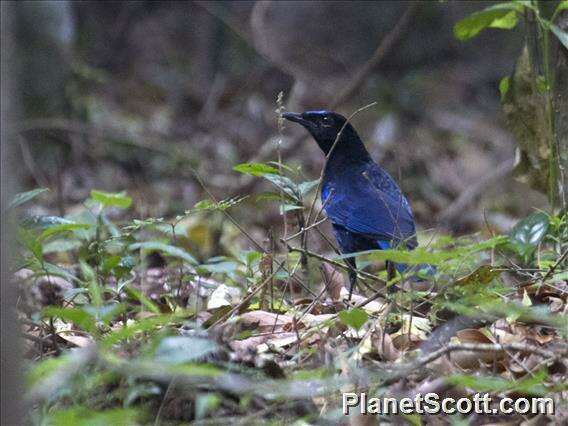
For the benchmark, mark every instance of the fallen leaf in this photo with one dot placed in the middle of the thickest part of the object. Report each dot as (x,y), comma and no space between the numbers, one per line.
(333,282)
(264,321)
(471,359)
(224,295)
(383,344)
(472,335)
(404,342)
(78,341)
(417,327)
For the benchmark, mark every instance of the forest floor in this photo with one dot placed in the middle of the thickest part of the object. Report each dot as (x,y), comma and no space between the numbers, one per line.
(124,325)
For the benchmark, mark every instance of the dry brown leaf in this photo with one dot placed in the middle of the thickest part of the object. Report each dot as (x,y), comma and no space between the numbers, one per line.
(524,364)
(45,289)
(472,359)
(418,328)
(472,335)
(78,341)
(404,342)
(375,307)
(303,301)
(265,321)
(333,282)
(275,344)
(144,314)
(384,345)
(310,320)
(443,365)
(246,349)
(555,303)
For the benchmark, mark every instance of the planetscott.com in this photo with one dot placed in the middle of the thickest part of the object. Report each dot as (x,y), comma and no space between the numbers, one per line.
(432,403)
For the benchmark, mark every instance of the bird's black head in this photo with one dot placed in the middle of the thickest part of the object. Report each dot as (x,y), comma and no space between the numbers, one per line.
(324,126)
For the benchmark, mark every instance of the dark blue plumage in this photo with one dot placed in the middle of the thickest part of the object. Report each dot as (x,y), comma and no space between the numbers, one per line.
(363,202)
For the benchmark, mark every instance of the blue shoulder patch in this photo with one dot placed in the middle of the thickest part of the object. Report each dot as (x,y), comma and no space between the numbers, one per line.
(324,193)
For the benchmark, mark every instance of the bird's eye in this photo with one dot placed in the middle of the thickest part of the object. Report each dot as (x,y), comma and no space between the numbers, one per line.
(326,119)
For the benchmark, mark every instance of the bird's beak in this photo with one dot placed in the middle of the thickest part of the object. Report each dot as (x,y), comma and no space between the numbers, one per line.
(296,118)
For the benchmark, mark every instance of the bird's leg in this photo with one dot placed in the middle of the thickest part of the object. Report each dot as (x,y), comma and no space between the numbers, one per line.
(391,270)
(352,275)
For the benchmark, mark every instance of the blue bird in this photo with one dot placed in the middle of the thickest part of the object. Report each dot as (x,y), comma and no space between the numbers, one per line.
(366,207)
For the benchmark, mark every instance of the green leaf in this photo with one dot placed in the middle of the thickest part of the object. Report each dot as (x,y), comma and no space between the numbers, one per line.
(560,34)
(422,255)
(109,199)
(129,331)
(255,169)
(355,318)
(61,246)
(85,416)
(306,187)
(226,267)
(43,369)
(77,316)
(181,349)
(221,205)
(206,403)
(143,299)
(504,87)
(63,227)
(313,374)
(164,248)
(541,84)
(285,184)
(107,312)
(206,204)
(24,197)
(30,241)
(506,22)
(253,257)
(503,15)
(560,276)
(45,222)
(484,274)
(563,5)
(531,385)
(192,369)
(52,269)
(90,277)
(528,233)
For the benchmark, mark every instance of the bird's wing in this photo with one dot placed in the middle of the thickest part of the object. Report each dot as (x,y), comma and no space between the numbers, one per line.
(368,201)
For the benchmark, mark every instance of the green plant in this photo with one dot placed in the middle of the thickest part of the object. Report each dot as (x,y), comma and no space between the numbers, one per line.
(528,95)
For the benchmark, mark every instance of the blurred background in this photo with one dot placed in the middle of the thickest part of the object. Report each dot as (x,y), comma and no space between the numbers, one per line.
(133,95)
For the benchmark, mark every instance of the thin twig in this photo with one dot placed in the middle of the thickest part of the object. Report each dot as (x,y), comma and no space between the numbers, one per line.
(334,263)
(384,47)
(244,232)
(404,370)
(303,230)
(551,270)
